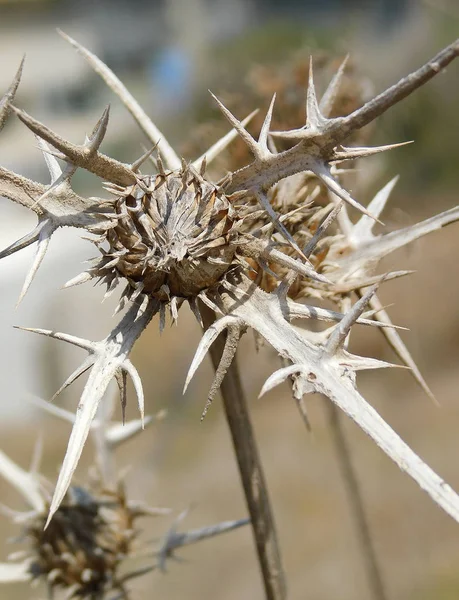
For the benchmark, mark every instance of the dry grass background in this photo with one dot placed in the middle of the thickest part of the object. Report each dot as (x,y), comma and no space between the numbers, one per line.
(181,462)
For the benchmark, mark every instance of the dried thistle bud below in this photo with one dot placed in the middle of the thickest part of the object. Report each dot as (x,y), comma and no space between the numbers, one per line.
(86,543)
(99,539)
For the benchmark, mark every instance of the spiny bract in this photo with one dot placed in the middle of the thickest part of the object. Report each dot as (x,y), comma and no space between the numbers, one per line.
(247,246)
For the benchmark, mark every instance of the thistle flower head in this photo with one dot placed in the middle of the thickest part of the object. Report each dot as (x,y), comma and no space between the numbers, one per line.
(171,237)
(246,247)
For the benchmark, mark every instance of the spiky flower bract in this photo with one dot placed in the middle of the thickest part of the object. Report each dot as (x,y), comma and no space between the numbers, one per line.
(247,246)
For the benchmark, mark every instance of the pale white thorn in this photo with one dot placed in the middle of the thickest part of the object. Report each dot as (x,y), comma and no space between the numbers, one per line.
(380,246)
(138,290)
(144,122)
(361,231)
(399,347)
(121,304)
(341,331)
(264,132)
(87,364)
(321,230)
(159,164)
(352,285)
(323,172)
(203,166)
(228,354)
(293,135)
(25,241)
(362,363)
(72,591)
(231,287)
(266,268)
(211,154)
(25,483)
(37,455)
(329,97)
(314,118)
(266,205)
(61,182)
(174,309)
(369,314)
(79,279)
(294,310)
(119,433)
(15,516)
(8,97)
(285,285)
(244,134)
(162,317)
(279,377)
(111,288)
(19,555)
(42,246)
(385,244)
(64,337)
(295,265)
(55,153)
(344,222)
(121,380)
(135,377)
(209,303)
(206,342)
(195,310)
(15,572)
(94,141)
(54,167)
(354,153)
(51,408)
(112,263)
(174,540)
(145,156)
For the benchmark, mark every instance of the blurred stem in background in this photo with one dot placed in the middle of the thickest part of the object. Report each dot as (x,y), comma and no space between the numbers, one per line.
(356,503)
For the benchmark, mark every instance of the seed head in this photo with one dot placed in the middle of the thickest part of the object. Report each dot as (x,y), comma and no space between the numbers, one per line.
(95,543)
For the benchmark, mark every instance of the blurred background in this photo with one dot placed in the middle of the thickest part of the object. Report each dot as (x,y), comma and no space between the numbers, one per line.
(169,52)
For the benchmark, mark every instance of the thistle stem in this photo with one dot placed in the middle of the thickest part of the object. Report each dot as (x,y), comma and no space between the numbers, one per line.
(251,471)
(356,503)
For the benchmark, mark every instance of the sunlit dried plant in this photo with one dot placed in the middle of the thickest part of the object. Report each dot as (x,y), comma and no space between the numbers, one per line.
(95,544)
(241,251)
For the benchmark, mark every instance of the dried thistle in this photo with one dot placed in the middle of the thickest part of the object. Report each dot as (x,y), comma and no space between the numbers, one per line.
(95,543)
(288,81)
(246,246)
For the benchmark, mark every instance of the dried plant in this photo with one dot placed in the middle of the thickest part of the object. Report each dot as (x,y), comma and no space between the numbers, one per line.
(241,251)
(95,545)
